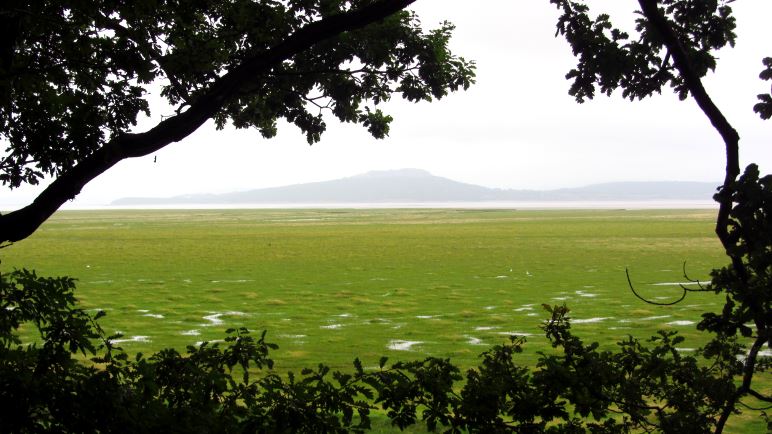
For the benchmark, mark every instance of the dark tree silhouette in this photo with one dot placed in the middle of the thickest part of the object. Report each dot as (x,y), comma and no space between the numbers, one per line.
(674,46)
(75,76)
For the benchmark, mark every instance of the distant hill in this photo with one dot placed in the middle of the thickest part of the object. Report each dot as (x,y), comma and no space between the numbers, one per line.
(420,186)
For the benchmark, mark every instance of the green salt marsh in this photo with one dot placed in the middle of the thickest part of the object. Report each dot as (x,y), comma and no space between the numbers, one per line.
(331,285)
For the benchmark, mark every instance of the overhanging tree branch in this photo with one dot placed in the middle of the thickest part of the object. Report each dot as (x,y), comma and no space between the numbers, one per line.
(729,135)
(759,396)
(731,139)
(22,223)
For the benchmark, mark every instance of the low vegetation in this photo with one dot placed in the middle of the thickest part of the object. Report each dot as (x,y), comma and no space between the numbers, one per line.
(457,291)
(333,285)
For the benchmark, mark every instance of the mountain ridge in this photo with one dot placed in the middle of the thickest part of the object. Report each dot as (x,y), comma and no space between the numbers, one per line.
(420,186)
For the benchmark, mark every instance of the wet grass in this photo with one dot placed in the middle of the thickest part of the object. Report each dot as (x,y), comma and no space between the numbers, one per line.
(331,285)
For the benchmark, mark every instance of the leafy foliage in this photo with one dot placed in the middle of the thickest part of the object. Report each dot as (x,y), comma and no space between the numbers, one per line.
(687,32)
(76,74)
(764,107)
(749,289)
(610,59)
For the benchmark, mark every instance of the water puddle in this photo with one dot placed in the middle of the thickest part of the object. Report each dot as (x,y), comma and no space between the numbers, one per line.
(681,323)
(400,345)
(190,332)
(131,339)
(589,320)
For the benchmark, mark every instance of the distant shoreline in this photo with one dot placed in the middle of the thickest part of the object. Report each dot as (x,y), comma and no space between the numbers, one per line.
(531,205)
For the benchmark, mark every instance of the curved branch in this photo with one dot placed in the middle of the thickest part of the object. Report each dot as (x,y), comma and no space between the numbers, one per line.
(755,408)
(748,370)
(759,396)
(729,135)
(22,223)
(632,288)
(731,141)
(683,296)
(694,281)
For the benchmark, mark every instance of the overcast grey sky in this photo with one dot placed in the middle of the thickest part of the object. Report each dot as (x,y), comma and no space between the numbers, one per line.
(516,128)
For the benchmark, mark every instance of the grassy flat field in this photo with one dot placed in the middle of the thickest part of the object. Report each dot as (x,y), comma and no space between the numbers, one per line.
(331,285)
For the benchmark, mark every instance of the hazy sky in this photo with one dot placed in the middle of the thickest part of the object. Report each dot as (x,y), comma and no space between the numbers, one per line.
(516,128)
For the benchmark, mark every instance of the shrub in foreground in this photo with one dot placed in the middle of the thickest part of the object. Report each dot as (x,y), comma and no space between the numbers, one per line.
(214,389)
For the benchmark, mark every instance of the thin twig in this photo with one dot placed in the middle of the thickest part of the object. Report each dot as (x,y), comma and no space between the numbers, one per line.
(683,288)
(759,396)
(697,282)
(632,288)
